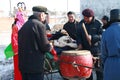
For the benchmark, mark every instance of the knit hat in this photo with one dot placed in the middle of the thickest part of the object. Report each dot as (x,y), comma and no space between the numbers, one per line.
(88,13)
(39,9)
(105,18)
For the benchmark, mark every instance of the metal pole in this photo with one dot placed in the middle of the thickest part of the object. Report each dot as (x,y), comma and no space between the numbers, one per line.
(10,8)
(67,5)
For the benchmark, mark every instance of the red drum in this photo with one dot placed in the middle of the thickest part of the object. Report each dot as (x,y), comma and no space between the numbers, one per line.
(83,61)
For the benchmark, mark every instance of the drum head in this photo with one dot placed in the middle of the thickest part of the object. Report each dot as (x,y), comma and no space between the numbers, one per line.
(76,53)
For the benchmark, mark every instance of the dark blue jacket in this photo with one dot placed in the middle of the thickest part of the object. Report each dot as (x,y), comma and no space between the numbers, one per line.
(111,52)
(71,27)
(95,30)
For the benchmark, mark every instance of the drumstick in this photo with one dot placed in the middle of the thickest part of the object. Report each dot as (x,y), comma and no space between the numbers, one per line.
(86,33)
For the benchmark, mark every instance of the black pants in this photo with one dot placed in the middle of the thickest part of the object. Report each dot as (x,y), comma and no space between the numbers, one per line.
(32,76)
(99,72)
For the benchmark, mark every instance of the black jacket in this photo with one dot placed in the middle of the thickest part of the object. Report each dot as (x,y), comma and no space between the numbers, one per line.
(95,30)
(71,27)
(32,45)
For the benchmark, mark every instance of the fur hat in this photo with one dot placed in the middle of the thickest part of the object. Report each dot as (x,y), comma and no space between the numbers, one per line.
(115,14)
(39,9)
(88,13)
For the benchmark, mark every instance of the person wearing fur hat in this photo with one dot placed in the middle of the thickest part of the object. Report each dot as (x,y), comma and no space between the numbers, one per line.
(32,45)
(44,15)
(110,47)
(89,33)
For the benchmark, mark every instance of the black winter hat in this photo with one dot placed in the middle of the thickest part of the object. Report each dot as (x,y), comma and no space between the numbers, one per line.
(105,18)
(114,14)
(88,13)
(39,9)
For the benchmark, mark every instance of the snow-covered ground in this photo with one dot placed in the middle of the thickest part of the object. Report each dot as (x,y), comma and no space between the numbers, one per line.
(6,66)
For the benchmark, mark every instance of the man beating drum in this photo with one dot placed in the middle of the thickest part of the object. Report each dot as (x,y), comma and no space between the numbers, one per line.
(89,36)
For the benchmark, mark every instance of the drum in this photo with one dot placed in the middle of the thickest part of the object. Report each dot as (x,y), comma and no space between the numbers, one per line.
(76,64)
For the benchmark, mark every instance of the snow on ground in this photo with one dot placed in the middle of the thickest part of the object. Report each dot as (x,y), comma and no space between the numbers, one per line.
(6,66)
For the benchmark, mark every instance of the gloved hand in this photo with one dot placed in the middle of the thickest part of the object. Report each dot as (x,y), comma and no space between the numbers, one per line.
(49,35)
(54,53)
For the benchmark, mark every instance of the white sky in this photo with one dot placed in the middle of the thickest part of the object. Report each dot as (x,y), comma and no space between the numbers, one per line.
(58,5)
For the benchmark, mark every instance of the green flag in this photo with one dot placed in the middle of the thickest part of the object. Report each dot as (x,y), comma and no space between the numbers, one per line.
(8,51)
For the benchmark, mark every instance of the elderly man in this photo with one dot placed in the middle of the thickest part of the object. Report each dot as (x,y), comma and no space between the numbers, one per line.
(32,45)
(89,35)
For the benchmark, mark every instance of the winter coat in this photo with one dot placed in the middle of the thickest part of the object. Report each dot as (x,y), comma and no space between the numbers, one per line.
(110,48)
(71,27)
(95,30)
(32,45)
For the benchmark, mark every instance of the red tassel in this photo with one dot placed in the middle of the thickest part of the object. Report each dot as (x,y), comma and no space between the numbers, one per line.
(55,57)
(54,53)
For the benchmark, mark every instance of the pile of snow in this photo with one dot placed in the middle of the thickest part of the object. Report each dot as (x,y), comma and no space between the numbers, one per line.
(6,66)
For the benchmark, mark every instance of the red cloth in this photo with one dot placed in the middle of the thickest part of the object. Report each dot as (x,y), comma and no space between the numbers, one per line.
(54,53)
(14,41)
(17,74)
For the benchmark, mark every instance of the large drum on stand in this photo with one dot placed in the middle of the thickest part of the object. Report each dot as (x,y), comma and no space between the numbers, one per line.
(76,64)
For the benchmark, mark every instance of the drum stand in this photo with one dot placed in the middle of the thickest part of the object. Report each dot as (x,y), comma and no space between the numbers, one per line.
(77,79)
(49,70)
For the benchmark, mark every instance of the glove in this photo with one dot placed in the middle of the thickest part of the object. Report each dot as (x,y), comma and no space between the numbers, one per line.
(54,53)
(49,35)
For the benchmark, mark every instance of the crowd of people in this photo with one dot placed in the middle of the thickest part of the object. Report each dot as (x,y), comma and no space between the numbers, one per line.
(100,37)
